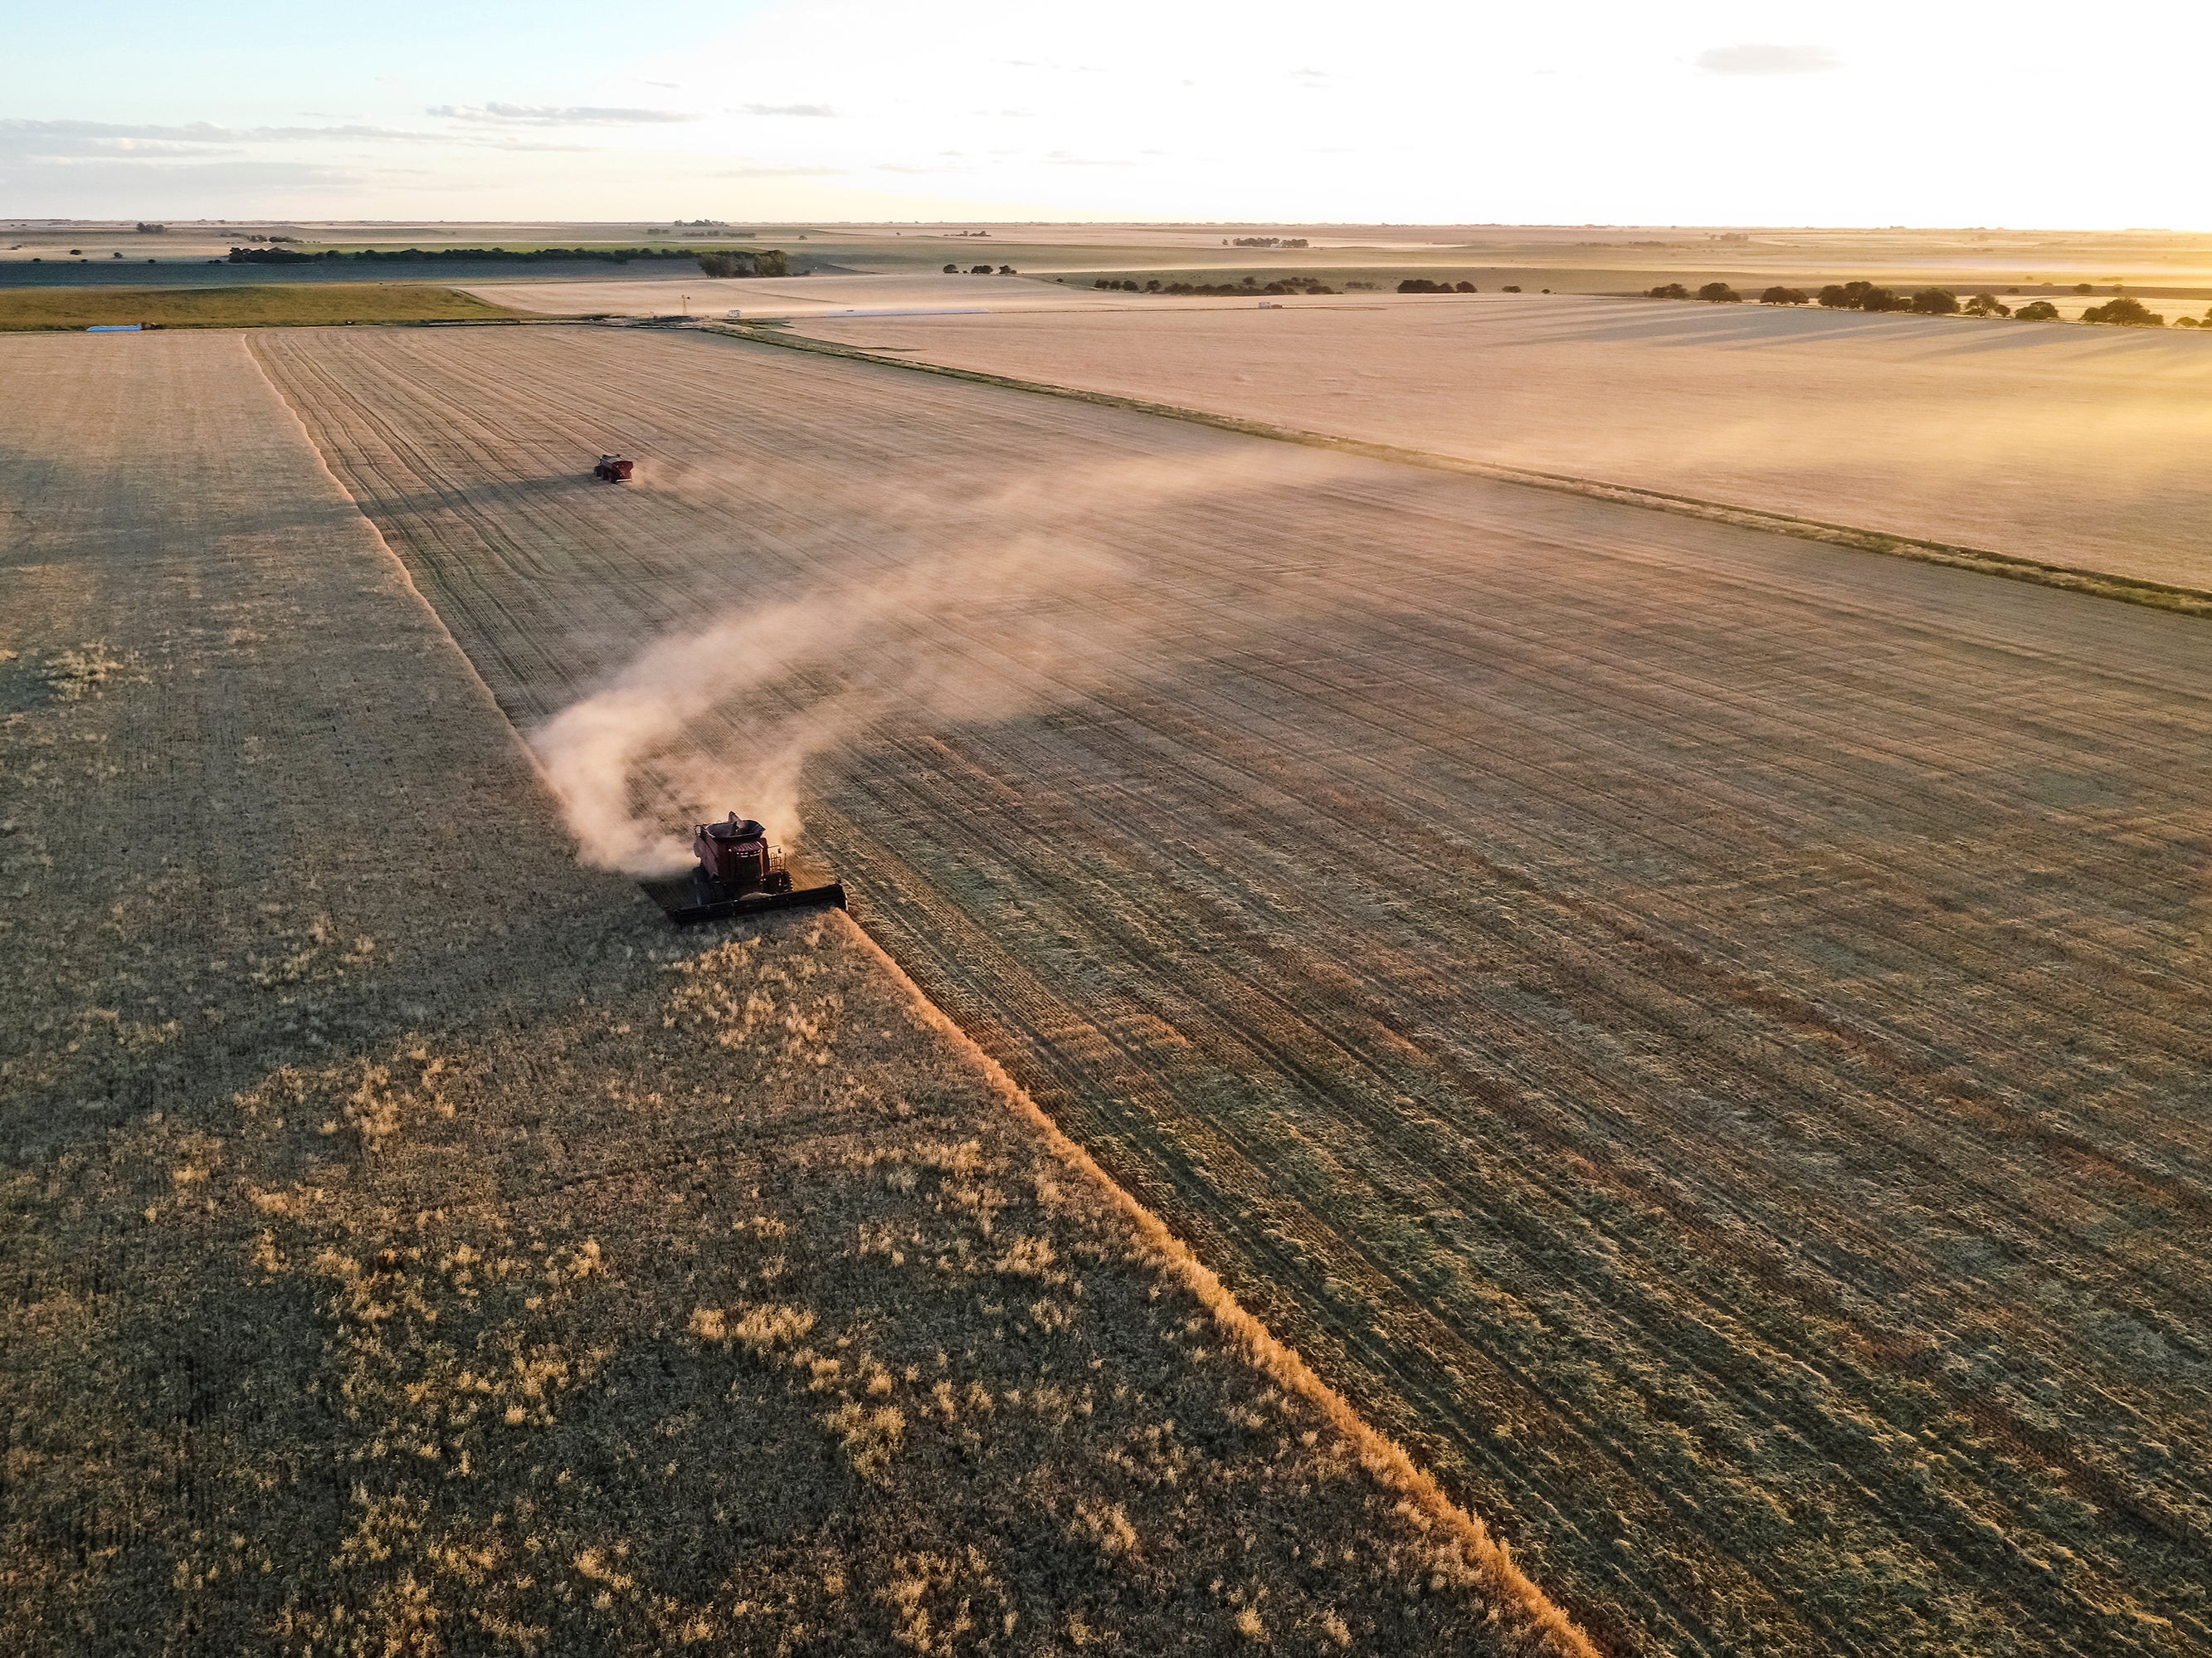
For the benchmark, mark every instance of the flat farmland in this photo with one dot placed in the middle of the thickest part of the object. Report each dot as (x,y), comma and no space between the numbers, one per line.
(1702,1035)
(412,1245)
(2074,446)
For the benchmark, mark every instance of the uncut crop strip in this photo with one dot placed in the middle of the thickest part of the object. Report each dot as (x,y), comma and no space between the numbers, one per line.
(1696,1035)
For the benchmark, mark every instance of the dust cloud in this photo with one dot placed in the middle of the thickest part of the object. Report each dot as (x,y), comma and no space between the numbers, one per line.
(931,610)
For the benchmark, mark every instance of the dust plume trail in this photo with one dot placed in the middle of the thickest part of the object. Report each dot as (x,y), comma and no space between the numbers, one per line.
(966,611)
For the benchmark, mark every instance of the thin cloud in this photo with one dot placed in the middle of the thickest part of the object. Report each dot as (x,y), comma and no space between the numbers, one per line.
(201,137)
(547,116)
(1769,60)
(780,172)
(822,111)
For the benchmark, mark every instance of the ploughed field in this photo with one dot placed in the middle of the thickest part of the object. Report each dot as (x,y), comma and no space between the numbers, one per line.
(2070,445)
(1703,1035)
(412,1245)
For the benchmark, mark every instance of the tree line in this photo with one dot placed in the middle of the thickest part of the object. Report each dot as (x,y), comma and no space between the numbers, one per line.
(1249,286)
(767,262)
(2124,311)
(979,269)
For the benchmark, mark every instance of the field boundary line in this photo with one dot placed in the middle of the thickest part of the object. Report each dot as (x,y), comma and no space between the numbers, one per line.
(1382,1456)
(2099,583)
(406,576)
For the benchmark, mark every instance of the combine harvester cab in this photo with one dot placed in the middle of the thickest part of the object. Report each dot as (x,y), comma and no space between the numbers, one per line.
(739,873)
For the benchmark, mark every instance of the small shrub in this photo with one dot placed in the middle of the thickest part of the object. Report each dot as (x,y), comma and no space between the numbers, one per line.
(2125,312)
(1986,304)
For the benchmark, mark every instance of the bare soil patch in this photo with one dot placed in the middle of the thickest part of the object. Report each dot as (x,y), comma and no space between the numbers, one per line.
(2074,446)
(1699,1033)
(415,1247)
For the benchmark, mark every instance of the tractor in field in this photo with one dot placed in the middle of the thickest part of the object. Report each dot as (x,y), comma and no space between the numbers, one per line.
(739,873)
(613,469)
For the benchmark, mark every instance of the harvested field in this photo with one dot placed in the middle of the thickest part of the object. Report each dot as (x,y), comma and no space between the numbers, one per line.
(1703,1035)
(413,1246)
(242,307)
(2072,445)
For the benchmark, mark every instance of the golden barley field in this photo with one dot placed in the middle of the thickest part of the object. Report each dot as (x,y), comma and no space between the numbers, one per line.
(414,1246)
(2072,445)
(1699,1034)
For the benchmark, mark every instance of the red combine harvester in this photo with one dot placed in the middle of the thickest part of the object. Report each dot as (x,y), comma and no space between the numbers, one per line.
(738,874)
(613,469)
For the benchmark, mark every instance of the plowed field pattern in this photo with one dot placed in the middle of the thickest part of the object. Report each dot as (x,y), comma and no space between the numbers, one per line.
(1703,1035)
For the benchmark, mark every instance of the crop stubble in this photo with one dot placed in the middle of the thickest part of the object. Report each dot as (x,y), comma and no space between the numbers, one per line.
(2074,446)
(1700,1035)
(413,1245)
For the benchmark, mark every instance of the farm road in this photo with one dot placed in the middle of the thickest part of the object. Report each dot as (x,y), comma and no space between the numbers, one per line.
(374,1181)
(1703,1035)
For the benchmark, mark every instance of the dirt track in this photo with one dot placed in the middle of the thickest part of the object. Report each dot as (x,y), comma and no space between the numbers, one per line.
(412,1245)
(2073,445)
(1703,1035)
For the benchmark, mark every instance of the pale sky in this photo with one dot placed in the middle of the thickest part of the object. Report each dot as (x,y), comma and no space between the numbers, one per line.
(1424,111)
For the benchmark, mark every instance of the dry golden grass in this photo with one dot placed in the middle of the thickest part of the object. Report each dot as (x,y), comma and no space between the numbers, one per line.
(415,1247)
(2077,446)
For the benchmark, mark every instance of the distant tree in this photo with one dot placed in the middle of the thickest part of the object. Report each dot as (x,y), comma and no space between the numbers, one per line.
(1935,302)
(1510,288)
(1005,270)
(1153,286)
(2126,312)
(1782,296)
(979,270)
(1667,291)
(2037,311)
(2179,322)
(1465,288)
(1834,297)
(2082,288)
(1987,305)
(1423,285)
(1719,294)
(1881,299)
(954,270)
